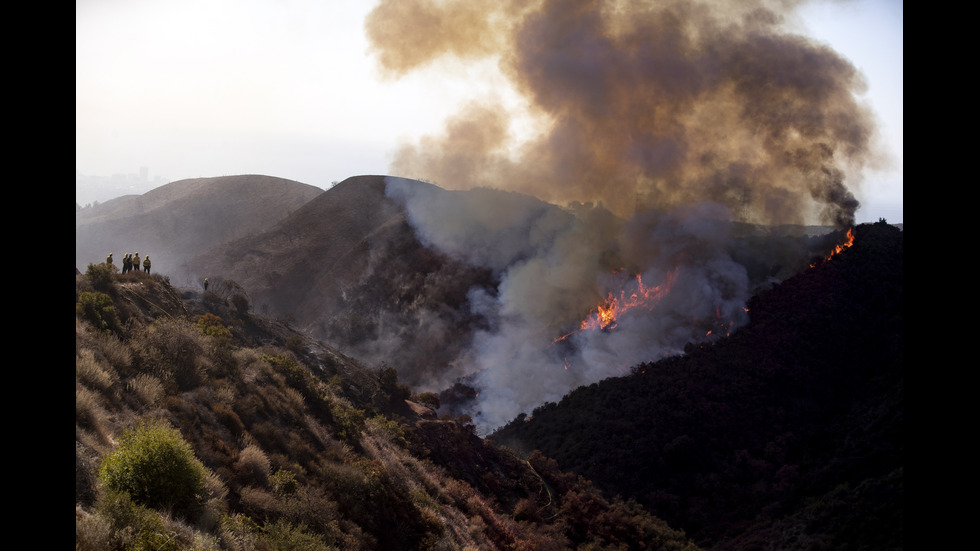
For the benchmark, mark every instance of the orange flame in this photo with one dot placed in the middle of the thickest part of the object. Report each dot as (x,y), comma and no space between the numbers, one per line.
(848,241)
(607,314)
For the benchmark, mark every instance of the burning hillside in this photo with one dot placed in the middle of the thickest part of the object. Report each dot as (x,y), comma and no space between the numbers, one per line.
(607,314)
(561,315)
(673,119)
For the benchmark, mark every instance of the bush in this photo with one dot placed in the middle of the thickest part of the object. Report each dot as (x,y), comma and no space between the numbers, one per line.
(101,275)
(394,391)
(430,399)
(98,309)
(172,351)
(283,483)
(253,466)
(156,467)
(133,526)
(348,422)
(147,388)
(282,536)
(210,324)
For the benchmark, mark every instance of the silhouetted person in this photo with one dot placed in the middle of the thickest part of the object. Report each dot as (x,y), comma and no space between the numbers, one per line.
(205,284)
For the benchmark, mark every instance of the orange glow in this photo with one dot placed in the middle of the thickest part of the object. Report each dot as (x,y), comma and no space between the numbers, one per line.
(848,241)
(607,314)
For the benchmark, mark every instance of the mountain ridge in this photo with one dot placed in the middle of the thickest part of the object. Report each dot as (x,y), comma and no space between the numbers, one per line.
(788,433)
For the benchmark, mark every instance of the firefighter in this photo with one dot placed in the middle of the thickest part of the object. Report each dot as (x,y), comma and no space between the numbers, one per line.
(136,261)
(146,264)
(108,259)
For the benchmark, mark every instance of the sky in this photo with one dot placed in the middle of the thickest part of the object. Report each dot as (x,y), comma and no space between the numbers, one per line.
(294,89)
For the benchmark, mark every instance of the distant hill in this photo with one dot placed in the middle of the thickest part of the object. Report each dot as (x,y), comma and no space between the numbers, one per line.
(348,268)
(789,434)
(181,219)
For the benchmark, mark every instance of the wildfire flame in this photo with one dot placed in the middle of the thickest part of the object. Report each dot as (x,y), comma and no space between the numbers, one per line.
(840,247)
(607,314)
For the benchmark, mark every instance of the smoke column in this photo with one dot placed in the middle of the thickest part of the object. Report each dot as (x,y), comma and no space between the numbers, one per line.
(676,116)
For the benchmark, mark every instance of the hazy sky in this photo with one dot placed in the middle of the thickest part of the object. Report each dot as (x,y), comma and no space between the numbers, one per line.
(288,88)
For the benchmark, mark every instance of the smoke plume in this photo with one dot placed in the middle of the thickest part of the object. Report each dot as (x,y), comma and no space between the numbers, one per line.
(671,119)
(640,104)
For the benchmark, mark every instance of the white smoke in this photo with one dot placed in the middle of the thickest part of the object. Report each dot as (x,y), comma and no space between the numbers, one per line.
(554,267)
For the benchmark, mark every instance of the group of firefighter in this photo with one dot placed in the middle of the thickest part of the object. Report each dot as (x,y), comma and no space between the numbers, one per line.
(131,261)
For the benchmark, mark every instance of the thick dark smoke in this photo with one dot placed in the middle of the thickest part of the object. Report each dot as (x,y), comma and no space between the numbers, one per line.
(678,117)
(643,104)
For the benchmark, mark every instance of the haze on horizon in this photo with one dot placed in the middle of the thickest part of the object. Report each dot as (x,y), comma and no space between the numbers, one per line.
(298,90)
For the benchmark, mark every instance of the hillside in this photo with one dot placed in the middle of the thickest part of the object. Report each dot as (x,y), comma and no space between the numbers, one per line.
(786,435)
(353,268)
(347,268)
(298,445)
(179,220)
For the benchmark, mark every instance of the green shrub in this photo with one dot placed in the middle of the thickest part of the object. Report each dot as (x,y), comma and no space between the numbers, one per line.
(390,429)
(296,375)
(156,467)
(283,483)
(210,324)
(348,422)
(98,309)
(283,536)
(133,526)
(101,275)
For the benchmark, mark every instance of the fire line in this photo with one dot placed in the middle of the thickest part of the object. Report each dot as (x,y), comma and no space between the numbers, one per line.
(606,315)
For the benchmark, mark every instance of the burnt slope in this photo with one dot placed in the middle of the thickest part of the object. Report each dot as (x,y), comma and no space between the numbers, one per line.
(182,219)
(347,268)
(788,434)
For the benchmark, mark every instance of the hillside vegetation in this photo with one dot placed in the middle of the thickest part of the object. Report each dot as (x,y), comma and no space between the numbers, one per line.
(787,435)
(200,425)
